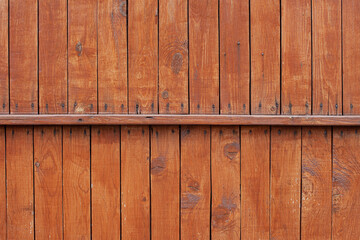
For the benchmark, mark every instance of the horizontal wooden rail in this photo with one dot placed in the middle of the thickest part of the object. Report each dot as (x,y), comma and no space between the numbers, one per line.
(117,119)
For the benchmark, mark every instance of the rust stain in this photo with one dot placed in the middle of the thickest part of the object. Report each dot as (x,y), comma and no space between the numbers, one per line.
(231,150)
(189,201)
(158,165)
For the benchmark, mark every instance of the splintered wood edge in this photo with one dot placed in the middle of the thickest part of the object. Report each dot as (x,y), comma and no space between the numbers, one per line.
(162,119)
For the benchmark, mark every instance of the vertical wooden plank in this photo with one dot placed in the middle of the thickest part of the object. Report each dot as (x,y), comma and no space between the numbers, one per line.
(82,51)
(204,57)
(234,57)
(2,185)
(48,182)
(346,179)
(351,56)
(316,183)
(265,56)
(285,183)
(23,56)
(255,182)
(76,182)
(195,182)
(19,179)
(53,56)
(165,182)
(296,57)
(4,59)
(105,182)
(225,168)
(173,57)
(143,56)
(135,182)
(327,83)
(112,56)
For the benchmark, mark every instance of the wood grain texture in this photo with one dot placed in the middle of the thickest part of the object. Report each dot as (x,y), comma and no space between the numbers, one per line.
(4,57)
(143,56)
(351,56)
(255,182)
(285,183)
(105,182)
(53,56)
(173,57)
(135,182)
(112,56)
(19,179)
(195,182)
(346,179)
(327,82)
(203,57)
(3,202)
(225,187)
(265,56)
(296,57)
(76,182)
(82,56)
(48,182)
(316,183)
(165,182)
(23,56)
(234,57)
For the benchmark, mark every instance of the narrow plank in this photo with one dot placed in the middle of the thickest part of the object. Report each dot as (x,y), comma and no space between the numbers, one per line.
(76,182)
(204,57)
(327,83)
(105,180)
(285,183)
(23,56)
(4,57)
(296,57)
(19,179)
(48,182)
(255,182)
(351,56)
(53,56)
(234,57)
(225,168)
(173,57)
(346,179)
(135,182)
(143,56)
(195,182)
(112,56)
(2,185)
(316,183)
(165,182)
(265,56)
(82,52)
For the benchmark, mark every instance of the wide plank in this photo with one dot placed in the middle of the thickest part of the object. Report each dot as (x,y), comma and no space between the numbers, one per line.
(3,207)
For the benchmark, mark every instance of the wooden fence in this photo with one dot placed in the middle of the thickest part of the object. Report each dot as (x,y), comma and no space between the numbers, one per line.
(179,119)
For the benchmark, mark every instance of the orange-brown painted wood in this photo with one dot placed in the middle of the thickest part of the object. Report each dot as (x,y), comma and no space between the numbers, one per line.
(143,56)
(112,56)
(4,57)
(82,56)
(203,61)
(76,182)
(165,182)
(105,182)
(19,183)
(23,47)
(225,184)
(316,183)
(3,207)
(173,57)
(53,56)
(195,182)
(285,182)
(234,57)
(255,182)
(48,182)
(135,182)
